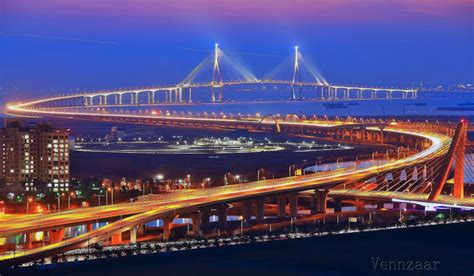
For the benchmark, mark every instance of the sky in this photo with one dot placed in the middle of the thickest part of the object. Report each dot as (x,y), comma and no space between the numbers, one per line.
(55,46)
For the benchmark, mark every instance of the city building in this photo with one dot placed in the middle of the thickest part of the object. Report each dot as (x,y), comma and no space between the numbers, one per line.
(34,156)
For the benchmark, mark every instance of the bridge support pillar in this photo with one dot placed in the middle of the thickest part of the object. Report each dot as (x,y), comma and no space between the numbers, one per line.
(293,198)
(205,218)
(56,235)
(89,227)
(337,205)
(116,238)
(190,97)
(360,205)
(281,199)
(167,223)
(133,235)
(260,206)
(222,214)
(180,93)
(197,220)
(321,196)
(29,240)
(141,229)
(459,160)
(247,210)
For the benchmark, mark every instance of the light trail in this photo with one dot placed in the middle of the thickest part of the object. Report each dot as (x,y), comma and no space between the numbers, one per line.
(58,38)
(169,205)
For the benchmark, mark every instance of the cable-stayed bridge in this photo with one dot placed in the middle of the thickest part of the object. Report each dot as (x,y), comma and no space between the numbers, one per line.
(218,70)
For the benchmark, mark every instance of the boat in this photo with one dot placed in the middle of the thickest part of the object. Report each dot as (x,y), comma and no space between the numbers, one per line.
(334,105)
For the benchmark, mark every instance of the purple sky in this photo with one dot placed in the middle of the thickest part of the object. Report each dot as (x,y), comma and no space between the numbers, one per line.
(352,41)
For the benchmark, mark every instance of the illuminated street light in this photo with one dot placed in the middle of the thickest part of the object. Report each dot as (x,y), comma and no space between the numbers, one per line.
(289,169)
(258,173)
(112,193)
(27,204)
(69,199)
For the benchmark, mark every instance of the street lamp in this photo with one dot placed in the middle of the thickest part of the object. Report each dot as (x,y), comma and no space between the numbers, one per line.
(225,179)
(69,200)
(112,193)
(106,197)
(241,225)
(189,180)
(99,196)
(59,201)
(289,169)
(258,173)
(27,204)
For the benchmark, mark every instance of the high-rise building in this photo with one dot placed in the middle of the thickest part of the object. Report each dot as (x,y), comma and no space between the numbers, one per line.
(35,156)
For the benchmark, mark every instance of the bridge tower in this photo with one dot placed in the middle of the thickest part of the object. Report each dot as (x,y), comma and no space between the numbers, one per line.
(216,81)
(296,76)
(455,155)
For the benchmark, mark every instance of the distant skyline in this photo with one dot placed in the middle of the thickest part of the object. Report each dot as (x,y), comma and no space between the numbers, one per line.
(354,42)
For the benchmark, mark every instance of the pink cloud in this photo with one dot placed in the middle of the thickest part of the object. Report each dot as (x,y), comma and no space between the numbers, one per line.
(249,10)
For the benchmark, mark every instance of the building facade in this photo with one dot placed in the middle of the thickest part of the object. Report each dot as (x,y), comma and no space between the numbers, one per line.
(34,156)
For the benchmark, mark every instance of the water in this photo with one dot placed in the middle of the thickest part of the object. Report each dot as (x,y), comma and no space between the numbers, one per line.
(253,103)
(407,107)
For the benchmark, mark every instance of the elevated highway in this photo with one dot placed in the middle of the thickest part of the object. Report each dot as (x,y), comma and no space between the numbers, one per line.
(128,216)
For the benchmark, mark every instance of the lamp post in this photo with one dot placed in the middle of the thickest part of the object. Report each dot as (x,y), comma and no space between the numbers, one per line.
(59,201)
(241,225)
(27,204)
(99,196)
(189,180)
(112,193)
(225,179)
(289,169)
(258,173)
(69,200)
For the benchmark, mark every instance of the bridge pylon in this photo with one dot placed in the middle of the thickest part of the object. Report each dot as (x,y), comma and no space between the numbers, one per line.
(216,80)
(455,156)
(296,76)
